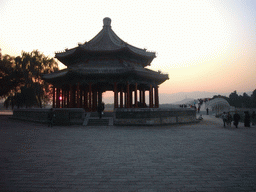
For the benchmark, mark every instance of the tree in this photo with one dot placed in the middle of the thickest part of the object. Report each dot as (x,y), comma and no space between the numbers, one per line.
(21,78)
(10,77)
(234,99)
(253,99)
(246,101)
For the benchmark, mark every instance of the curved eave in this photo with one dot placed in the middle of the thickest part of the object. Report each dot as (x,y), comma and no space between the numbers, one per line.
(65,53)
(138,73)
(58,74)
(150,74)
(148,59)
(132,49)
(141,52)
(87,54)
(106,41)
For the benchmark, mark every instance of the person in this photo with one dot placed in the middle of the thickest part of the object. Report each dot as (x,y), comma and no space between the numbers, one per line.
(101,108)
(246,119)
(51,116)
(207,111)
(200,117)
(236,118)
(253,118)
(224,118)
(229,119)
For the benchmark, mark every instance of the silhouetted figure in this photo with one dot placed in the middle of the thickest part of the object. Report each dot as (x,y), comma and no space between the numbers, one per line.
(236,118)
(246,119)
(229,119)
(200,117)
(207,111)
(224,118)
(100,109)
(51,116)
(253,118)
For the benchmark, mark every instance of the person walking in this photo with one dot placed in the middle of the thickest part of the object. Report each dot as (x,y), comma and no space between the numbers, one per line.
(51,116)
(224,118)
(246,119)
(229,119)
(236,118)
(100,109)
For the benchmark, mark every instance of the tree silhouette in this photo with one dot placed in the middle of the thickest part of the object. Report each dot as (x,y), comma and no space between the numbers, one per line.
(20,79)
(253,98)
(234,99)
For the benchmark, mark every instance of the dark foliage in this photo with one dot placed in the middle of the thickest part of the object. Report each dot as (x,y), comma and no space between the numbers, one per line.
(20,79)
(240,101)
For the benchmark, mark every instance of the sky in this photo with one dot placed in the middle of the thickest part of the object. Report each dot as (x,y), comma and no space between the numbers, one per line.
(204,45)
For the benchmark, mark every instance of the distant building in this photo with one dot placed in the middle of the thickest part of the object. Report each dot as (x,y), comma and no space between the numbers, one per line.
(105,63)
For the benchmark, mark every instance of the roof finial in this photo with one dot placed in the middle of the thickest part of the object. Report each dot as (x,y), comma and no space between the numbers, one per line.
(106,21)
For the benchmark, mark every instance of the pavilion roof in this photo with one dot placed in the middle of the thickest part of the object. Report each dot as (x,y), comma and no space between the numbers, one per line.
(106,41)
(91,72)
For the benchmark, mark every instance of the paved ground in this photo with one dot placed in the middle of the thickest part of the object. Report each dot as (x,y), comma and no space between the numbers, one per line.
(197,157)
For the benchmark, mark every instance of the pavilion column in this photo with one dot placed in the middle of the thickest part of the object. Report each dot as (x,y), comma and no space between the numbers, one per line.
(121,98)
(67,97)
(151,97)
(140,95)
(131,98)
(81,97)
(71,103)
(58,98)
(62,98)
(85,99)
(99,97)
(127,96)
(90,96)
(115,96)
(53,97)
(156,97)
(78,95)
(94,100)
(136,96)
(125,99)
(143,98)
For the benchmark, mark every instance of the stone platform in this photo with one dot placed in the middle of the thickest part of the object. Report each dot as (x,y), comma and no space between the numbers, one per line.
(198,157)
(120,116)
(153,116)
(65,116)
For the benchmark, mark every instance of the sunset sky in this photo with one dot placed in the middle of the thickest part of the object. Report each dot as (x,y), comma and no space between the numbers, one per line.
(202,45)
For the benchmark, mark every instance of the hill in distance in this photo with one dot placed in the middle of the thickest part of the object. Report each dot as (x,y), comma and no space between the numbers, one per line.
(181,97)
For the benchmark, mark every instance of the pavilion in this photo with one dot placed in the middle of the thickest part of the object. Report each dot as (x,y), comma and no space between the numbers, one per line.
(105,63)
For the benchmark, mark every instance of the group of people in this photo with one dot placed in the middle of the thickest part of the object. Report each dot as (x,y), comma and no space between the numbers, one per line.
(227,119)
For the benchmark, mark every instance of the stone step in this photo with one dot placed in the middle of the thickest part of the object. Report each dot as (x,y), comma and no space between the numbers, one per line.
(98,122)
(105,114)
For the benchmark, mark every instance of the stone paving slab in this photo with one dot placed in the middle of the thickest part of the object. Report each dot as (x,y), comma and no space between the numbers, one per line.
(191,157)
